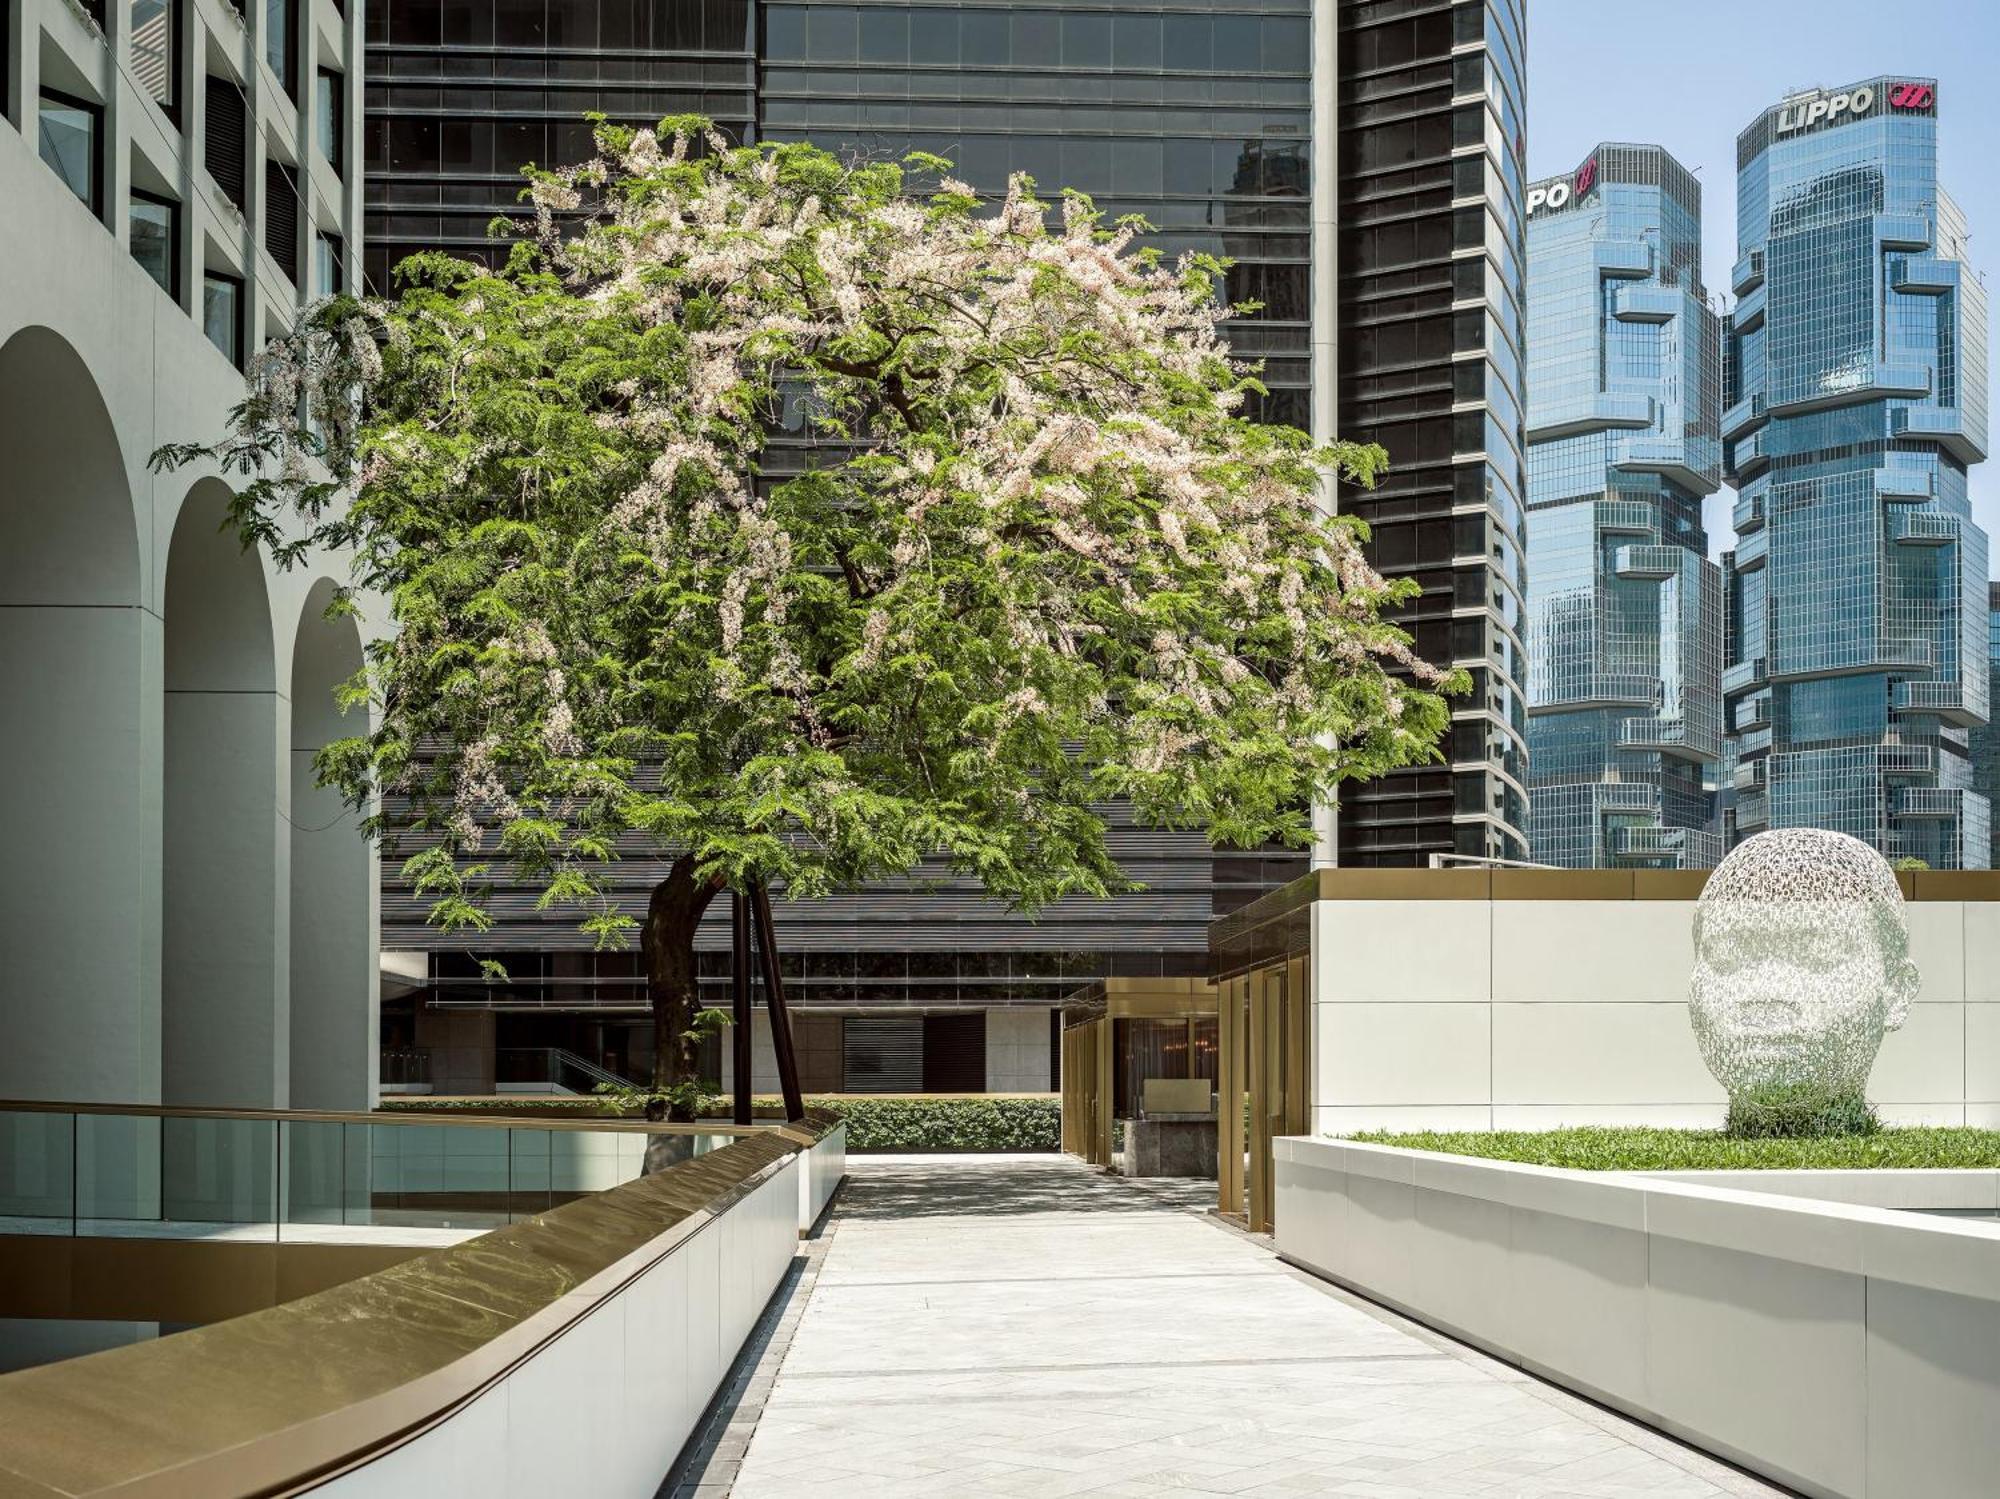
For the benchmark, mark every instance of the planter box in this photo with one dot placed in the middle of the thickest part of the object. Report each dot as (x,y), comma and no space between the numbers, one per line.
(1840,1348)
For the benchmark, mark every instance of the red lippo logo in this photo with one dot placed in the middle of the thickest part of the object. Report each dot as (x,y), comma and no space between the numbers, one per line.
(1912,96)
(1586,178)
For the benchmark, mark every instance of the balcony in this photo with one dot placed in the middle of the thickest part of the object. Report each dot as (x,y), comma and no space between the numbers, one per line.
(1653,564)
(1940,425)
(1754,715)
(1905,486)
(1752,551)
(1741,417)
(1648,843)
(1648,304)
(1627,515)
(1928,802)
(1603,690)
(1751,775)
(1903,231)
(1748,273)
(1623,257)
(1667,456)
(1923,275)
(1749,314)
(1946,700)
(1744,674)
(1750,455)
(1753,811)
(1851,387)
(1906,760)
(1921,528)
(1595,413)
(1668,736)
(1748,513)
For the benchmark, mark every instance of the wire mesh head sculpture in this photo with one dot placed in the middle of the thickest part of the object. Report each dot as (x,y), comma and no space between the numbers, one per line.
(1802,964)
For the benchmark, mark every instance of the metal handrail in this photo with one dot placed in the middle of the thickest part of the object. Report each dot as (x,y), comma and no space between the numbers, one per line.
(400,1116)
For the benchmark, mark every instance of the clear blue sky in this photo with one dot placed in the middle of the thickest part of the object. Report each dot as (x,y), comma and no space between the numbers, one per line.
(1689,75)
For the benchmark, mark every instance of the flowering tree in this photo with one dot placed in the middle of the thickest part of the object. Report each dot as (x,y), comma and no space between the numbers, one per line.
(801,528)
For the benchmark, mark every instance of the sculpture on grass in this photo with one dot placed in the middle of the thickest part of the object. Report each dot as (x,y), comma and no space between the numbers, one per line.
(1801,966)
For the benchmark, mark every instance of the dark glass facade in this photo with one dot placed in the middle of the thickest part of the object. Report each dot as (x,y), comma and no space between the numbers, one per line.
(1197,114)
(1429,309)
(1855,399)
(1624,607)
(463,93)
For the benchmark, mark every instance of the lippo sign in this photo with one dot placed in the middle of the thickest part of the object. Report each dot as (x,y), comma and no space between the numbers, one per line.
(1852,104)
(1561,192)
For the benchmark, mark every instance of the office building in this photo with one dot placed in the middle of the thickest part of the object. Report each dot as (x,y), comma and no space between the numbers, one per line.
(1426,315)
(1208,119)
(1986,738)
(1854,402)
(1624,607)
(189,919)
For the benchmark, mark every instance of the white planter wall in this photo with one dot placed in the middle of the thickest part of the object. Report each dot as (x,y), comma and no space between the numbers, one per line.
(605,1409)
(1528,1014)
(1842,1350)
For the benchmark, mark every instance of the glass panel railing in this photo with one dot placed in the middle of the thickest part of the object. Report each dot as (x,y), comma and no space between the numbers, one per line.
(37,1173)
(218,1175)
(117,1173)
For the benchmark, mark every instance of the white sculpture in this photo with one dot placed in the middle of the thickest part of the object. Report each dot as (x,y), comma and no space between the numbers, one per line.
(1802,964)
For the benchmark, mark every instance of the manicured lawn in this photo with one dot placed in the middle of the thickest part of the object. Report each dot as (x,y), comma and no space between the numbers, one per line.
(1605,1149)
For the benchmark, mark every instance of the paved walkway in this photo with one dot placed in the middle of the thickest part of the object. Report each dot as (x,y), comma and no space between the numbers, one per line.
(1036,1328)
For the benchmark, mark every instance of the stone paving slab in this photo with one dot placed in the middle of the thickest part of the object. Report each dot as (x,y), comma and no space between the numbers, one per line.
(1037,1328)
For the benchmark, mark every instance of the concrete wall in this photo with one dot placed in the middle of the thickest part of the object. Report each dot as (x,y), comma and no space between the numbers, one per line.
(606,1407)
(1531,1013)
(1017,1049)
(148,669)
(1841,1350)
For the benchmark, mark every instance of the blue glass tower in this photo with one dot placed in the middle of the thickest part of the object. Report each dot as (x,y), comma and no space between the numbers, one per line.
(1855,396)
(1624,607)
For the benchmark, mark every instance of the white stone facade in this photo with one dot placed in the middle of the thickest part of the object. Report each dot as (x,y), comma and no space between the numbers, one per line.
(184,917)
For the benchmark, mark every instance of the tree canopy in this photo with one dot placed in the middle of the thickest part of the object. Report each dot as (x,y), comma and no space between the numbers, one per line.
(804,520)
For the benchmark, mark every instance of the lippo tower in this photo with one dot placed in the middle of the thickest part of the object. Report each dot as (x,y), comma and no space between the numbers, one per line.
(1855,399)
(1624,607)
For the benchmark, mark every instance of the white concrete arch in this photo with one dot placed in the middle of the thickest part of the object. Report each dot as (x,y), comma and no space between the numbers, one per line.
(225,971)
(79,668)
(334,991)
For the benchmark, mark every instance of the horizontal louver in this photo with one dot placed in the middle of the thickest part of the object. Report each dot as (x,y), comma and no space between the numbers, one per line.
(281,217)
(882,1056)
(223,137)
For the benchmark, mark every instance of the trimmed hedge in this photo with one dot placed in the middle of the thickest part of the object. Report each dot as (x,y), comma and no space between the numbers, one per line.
(877,1122)
(1615,1149)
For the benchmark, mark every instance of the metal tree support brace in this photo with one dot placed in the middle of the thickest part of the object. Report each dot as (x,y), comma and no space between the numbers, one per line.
(739,968)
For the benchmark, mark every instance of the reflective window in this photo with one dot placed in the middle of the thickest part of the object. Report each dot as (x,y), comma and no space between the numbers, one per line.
(222,314)
(329,116)
(156,51)
(329,264)
(155,235)
(280,40)
(71,131)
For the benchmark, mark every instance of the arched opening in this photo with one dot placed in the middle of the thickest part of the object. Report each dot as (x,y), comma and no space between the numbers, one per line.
(79,892)
(224,966)
(334,984)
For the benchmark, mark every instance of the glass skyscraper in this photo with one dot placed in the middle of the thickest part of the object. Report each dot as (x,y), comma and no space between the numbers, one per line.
(1427,321)
(1855,398)
(1624,607)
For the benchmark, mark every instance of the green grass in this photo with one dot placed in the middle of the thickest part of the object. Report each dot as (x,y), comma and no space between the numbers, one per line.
(1613,1149)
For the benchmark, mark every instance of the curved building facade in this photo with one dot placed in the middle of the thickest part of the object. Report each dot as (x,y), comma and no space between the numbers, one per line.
(1855,400)
(1624,607)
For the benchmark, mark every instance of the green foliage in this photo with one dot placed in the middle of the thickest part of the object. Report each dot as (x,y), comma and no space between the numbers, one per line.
(912,1123)
(1909,863)
(948,1124)
(1622,1149)
(1797,1111)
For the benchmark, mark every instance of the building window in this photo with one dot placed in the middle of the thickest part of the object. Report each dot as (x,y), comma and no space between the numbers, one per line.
(223,137)
(155,224)
(329,265)
(329,117)
(72,132)
(280,40)
(156,59)
(281,217)
(222,314)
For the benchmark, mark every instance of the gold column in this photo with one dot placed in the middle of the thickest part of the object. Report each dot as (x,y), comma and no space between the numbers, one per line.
(1229,1097)
(1104,1034)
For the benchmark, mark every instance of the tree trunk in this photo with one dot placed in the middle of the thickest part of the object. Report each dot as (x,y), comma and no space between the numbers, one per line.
(672,986)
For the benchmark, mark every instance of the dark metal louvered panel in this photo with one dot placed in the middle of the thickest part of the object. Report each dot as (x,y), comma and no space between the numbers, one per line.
(882,1056)
(281,217)
(223,136)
